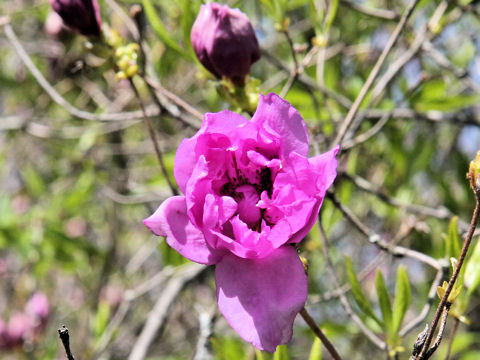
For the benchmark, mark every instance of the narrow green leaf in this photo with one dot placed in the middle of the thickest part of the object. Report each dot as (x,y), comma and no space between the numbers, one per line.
(358,294)
(384,300)
(160,29)
(316,351)
(332,12)
(259,354)
(33,181)
(100,321)
(472,270)
(453,241)
(402,298)
(281,353)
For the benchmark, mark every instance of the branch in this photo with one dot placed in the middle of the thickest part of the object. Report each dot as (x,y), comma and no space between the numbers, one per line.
(374,73)
(63,333)
(425,353)
(157,316)
(377,240)
(328,345)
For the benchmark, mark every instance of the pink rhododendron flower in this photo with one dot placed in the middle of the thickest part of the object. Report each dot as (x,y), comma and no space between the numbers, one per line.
(250,192)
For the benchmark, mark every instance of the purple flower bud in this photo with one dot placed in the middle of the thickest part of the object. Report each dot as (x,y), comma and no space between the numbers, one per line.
(224,41)
(82,16)
(38,306)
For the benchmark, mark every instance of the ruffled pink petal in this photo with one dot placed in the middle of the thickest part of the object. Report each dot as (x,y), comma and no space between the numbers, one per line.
(261,298)
(281,122)
(223,122)
(326,165)
(171,220)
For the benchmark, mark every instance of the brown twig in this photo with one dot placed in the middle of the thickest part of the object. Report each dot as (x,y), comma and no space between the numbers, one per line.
(65,337)
(153,136)
(425,353)
(319,333)
(456,322)
(296,67)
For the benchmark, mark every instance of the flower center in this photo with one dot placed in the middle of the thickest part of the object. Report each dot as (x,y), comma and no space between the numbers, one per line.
(247,201)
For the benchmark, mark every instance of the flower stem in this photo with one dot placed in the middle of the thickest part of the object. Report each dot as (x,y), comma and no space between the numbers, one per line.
(313,325)
(153,136)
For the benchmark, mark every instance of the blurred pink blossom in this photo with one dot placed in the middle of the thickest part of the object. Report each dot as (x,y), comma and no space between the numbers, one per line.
(250,192)
(19,326)
(224,41)
(38,307)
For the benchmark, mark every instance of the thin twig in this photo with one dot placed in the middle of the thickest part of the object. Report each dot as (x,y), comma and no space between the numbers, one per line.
(313,325)
(374,73)
(456,322)
(153,136)
(440,213)
(473,224)
(159,313)
(343,299)
(377,240)
(65,337)
(296,68)
(307,81)
(443,324)
(383,14)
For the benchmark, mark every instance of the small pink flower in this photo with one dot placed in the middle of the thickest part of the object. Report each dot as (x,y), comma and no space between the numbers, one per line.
(250,192)
(38,307)
(224,41)
(18,329)
(83,16)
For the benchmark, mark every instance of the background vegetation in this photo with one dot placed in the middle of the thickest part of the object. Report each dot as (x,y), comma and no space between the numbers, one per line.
(75,185)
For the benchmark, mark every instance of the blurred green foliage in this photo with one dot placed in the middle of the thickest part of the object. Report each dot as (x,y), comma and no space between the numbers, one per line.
(73,192)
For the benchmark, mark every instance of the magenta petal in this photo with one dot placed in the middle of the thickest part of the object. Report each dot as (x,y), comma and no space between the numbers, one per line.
(171,220)
(260,298)
(280,120)
(326,164)
(223,122)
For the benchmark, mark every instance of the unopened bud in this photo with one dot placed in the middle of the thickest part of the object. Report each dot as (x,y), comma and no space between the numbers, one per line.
(224,41)
(83,16)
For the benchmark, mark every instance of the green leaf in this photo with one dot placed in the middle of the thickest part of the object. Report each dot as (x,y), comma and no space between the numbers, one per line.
(358,294)
(281,353)
(384,300)
(472,270)
(33,181)
(316,351)
(402,298)
(453,242)
(332,12)
(100,321)
(160,29)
